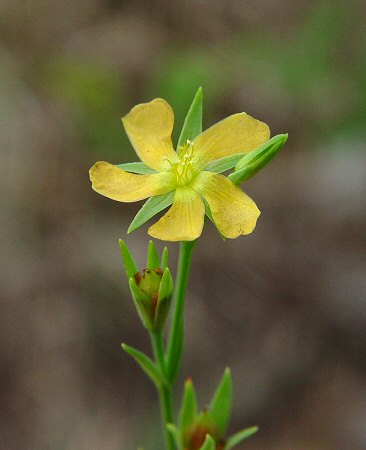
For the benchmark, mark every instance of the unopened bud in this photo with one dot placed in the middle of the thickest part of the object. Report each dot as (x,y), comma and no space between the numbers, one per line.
(152,292)
(152,288)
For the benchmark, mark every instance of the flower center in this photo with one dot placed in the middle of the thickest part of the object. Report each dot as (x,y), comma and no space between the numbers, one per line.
(183,169)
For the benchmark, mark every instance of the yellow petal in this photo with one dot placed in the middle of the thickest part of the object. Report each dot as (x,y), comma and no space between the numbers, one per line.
(238,133)
(149,127)
(184,220)
(115,183)
(233,211)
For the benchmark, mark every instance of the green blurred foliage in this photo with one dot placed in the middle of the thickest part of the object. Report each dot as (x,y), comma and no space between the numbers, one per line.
(302,69)
(95,94)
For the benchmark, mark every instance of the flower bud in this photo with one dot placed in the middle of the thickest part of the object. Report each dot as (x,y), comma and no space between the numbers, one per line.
(152,292)
(151,289)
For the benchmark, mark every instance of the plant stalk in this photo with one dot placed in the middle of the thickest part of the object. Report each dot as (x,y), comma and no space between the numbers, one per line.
(165,390)
(176,338)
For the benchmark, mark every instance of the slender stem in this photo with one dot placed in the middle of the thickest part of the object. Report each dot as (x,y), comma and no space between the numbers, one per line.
(175,347)
(169,366)
(158,349)
(165,391)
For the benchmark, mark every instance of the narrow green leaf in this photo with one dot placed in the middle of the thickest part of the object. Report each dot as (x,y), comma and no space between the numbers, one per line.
(166,285)
(238,437)
(220,406)
(145,363)
(254,161)
(128,260)
(136,167)
(164,258)
(175,434)
(192,126)
(226,163)
(188,410)
(150,208)
(153,260)
(164,299)
(209,443)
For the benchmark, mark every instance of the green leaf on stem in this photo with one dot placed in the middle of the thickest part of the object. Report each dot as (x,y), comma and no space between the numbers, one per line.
(192,126)
(175,434)
(164,259)
(238,437)
(188,410)
(254,161)
(220,406)
(128,260)
(151,207)
(164,299)
(209,443)
(136,167)
(153,260)
(146,364)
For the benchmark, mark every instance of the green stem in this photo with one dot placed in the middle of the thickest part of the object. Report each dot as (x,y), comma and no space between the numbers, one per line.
(169,366)
(175,347)
(165,391)
(158,349)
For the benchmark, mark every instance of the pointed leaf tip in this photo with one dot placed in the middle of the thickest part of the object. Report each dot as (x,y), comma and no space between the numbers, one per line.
(220,406)
(153,261)
(238,437)
(209,443)
(256,160)
(164,258)
(192,126)
(128,259)
(189,408)
(145,363)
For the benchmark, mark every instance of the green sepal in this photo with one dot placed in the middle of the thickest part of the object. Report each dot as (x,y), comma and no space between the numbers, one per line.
(143,305)
(164,300)
(137,167)
(220,406)
(209,443)
(153,260)
(189,409)
(192,126)
(128,260)
(254,161)
(225,163)
(164,259)
(146,364)
(151,207)
(175,434)
(238,437)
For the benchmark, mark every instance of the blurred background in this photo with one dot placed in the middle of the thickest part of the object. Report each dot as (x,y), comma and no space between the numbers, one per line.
(285,308)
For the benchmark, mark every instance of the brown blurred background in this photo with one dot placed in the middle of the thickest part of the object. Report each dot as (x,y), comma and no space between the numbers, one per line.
(285,308)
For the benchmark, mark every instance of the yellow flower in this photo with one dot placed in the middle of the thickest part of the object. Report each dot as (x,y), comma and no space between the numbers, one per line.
(149,127)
